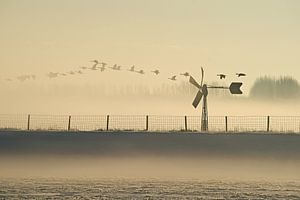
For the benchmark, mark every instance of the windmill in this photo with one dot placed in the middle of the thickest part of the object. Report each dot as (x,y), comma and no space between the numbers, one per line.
(234,88)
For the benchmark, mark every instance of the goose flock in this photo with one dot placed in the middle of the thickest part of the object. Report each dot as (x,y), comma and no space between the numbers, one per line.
(103,66)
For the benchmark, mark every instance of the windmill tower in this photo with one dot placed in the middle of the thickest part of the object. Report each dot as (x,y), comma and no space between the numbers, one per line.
(203,92)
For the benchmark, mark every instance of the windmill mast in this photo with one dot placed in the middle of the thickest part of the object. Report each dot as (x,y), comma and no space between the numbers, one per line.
(204,116)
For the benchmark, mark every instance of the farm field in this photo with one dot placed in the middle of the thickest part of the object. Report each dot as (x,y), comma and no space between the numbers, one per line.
(149,165)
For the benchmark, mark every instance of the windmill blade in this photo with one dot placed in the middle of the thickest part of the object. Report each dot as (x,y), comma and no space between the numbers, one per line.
(197,99)
(194,82)
(202,76)
(235,88)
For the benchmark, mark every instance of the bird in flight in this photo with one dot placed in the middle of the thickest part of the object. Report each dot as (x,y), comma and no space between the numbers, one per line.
(222,76)
(23,77)
(94,67)
(83,67)
(173,78)
(103,64)
(132,68)
(156,71)
(141,71)
(185,74)
(240,74)
(102,68)
(52,74)
(115,67)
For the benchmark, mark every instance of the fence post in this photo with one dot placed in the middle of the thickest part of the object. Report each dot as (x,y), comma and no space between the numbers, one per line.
(69,123)
(268,123)
(147,122)
(226,124)
(107,122)
(185,123)
(28,122)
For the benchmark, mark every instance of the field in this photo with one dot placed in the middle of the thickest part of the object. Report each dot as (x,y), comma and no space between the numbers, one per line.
(149,165)
(146,189)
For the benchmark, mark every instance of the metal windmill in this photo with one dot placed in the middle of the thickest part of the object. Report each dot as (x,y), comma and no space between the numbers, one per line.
(234,88)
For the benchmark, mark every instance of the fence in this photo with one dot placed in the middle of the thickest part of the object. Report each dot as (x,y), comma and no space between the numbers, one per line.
(284,124)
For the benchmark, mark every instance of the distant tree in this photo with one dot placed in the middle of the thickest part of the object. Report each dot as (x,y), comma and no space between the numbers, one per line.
(271,88)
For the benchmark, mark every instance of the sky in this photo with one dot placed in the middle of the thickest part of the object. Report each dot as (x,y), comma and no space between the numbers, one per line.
(37,36)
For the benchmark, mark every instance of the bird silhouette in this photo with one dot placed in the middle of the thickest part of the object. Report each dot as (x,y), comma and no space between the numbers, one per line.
(131,69)
(52,74)
(141,71)
(185,74)
(222,76)
(23,78)
(156,71)
(83,68)
(114,67)
(240,74)
(94,67)
(79,72)
(103,64)
(71,72)
(173,78)
(102,68)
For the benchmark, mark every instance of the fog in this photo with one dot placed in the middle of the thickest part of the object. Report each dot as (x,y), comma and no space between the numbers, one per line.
(162,168)
(146,98)
(146,155)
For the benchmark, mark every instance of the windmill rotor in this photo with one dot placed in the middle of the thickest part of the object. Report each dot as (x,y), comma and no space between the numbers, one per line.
(202,75)
(197,99)
(194,82)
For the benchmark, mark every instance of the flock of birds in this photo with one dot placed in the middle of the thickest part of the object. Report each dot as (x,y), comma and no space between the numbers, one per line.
(102,66)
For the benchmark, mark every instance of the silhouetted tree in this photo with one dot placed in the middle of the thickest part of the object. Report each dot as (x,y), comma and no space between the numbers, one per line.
(272,88)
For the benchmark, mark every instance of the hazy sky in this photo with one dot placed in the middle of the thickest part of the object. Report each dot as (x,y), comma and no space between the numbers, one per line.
(258,37)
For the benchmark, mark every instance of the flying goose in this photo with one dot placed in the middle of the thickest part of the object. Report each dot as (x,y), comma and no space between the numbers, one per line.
(185,74)
(94,67)
(156,71)
(52,74)
(222,76)
(141,71)
(132,68)
(240,74)
(173,78)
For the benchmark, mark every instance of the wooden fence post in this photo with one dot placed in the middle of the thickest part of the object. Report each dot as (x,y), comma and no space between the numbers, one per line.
(185,123)
(107,122)
(147,122)
(69,123)
(268,123)
(226,124)
(28,122)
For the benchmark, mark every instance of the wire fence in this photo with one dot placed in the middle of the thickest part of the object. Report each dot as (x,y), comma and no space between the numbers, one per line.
(152,123)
